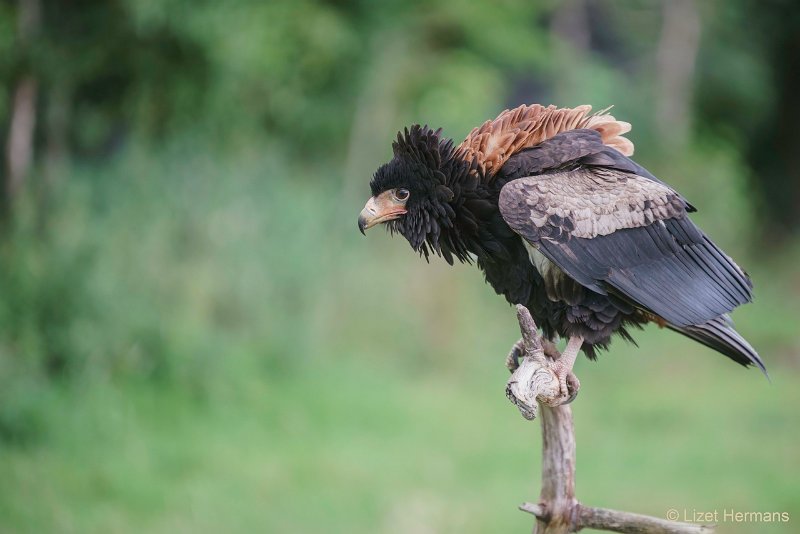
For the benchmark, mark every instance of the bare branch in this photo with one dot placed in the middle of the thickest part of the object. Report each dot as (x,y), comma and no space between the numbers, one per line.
(530,338)
(558,471)
(534,389)
(616,521)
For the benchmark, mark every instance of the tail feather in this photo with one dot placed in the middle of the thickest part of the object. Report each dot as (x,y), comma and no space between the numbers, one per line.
(720,335)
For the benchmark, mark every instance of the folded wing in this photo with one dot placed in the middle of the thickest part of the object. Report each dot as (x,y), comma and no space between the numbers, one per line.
(616,230)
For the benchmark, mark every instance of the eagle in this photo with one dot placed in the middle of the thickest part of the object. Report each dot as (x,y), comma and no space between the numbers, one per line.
(550,206)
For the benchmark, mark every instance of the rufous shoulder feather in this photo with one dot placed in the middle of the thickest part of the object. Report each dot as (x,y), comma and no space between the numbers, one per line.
(491,144)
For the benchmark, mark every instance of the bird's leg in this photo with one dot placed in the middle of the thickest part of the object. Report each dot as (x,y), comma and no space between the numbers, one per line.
(562,367)
(550,349)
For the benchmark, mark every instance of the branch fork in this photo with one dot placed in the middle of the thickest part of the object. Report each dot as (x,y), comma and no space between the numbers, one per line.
(535,388)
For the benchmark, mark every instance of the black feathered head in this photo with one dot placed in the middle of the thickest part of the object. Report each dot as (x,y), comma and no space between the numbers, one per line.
(413,194)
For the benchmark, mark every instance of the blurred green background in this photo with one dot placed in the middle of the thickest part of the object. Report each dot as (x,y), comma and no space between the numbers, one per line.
(195,338)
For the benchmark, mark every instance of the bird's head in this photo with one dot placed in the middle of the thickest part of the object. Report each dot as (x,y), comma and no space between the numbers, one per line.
(413,193)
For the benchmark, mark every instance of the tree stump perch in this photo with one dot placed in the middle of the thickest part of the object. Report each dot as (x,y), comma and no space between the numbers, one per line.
(534,389)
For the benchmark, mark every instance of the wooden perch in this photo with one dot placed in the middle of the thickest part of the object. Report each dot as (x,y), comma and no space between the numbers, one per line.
(533,388)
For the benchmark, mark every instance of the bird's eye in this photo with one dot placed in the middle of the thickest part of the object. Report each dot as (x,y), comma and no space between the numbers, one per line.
(401,194)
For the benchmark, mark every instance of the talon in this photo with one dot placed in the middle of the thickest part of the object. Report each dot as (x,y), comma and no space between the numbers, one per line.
(562,367)
(569,385)
(563,388)
(512,360)
(573,386)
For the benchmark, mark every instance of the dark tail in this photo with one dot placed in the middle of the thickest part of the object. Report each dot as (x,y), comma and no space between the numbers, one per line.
(719,335)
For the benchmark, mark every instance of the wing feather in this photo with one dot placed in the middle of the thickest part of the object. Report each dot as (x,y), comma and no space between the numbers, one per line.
(491,144)
(629,235)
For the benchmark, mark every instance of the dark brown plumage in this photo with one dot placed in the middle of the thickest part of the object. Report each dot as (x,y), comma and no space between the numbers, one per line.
(560,219)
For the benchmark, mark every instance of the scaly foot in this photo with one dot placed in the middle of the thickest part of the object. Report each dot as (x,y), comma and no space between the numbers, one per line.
(562,367)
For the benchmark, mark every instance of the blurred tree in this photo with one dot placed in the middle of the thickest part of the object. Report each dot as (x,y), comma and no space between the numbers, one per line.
(746,90)
(96,73)
(133,131)
(774,143)
(327,82)
(675,59)
(22,123)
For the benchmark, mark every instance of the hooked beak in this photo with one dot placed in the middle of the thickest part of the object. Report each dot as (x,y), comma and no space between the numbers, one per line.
(377,210)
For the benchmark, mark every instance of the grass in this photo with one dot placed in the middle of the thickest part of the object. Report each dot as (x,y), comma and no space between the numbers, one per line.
(365,447)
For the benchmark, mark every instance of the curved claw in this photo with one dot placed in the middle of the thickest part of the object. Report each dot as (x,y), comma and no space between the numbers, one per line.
(516,352)
(573,386)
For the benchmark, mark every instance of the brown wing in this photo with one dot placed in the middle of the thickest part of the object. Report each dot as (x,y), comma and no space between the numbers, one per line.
(614,231)
(492,143)
(591,201)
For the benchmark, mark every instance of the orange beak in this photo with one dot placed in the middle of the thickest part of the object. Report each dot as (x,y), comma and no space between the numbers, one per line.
(380,209)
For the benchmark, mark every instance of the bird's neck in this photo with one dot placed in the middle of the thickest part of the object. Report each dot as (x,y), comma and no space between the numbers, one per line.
(477,226)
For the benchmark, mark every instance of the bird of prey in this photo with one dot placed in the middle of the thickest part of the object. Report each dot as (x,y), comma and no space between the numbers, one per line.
(550,206)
